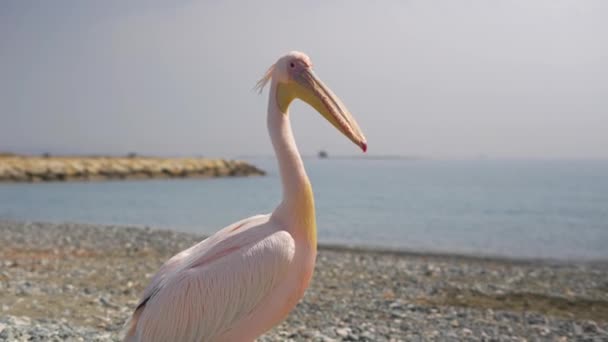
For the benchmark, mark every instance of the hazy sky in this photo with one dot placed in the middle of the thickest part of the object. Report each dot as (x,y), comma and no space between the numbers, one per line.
(455,79)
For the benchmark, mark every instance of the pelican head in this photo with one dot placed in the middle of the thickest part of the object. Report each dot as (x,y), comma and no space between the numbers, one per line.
(295,79)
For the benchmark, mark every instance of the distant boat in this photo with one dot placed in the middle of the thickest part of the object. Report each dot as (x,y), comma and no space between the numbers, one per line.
(322,154)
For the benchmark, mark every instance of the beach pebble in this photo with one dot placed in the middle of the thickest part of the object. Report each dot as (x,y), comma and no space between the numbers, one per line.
(77,282)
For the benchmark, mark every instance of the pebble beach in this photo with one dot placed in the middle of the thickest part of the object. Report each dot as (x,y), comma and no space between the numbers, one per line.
(79,282)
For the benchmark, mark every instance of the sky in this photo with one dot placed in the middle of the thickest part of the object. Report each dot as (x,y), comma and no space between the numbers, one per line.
(425,78)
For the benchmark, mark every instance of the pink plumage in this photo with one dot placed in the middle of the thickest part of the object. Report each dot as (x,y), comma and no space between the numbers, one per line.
(246,278)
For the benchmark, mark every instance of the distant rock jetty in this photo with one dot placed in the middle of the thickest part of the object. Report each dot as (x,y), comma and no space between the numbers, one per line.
(15,168)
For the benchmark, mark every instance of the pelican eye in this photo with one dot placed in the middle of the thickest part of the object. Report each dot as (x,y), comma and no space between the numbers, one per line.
(292,65)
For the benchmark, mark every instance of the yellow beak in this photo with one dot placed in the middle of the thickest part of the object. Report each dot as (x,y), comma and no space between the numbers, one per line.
(307,87)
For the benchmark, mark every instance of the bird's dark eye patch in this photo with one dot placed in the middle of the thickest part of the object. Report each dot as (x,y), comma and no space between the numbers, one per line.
(292,65)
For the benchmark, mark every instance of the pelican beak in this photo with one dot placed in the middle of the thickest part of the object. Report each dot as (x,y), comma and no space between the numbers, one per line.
(307,87)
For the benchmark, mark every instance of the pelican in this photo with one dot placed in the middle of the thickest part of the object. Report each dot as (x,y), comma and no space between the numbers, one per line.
(246,278)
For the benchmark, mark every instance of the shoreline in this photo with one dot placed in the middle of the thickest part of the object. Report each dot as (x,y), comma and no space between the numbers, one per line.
(465,257)
(83,280)
(351,248)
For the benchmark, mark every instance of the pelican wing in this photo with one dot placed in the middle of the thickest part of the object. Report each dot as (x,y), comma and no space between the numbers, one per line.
(188,256)
(202,291)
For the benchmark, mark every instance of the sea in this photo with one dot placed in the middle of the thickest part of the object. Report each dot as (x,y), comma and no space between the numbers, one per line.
(556,209)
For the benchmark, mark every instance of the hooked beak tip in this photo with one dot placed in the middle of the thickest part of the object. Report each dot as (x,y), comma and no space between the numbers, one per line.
(364,146)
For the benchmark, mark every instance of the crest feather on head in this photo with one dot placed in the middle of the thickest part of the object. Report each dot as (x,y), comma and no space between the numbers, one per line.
(259,86)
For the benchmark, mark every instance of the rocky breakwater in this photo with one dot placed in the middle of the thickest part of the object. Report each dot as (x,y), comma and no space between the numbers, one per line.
(41,169)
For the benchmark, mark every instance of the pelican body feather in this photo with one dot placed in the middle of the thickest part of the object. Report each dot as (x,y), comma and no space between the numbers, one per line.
(246,278)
